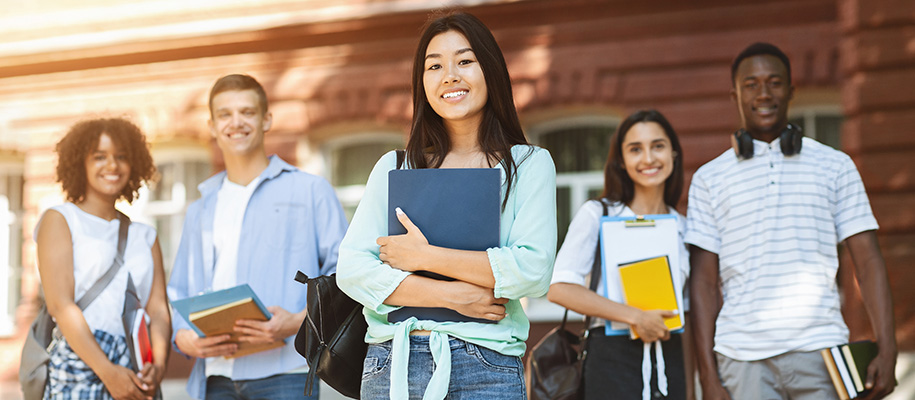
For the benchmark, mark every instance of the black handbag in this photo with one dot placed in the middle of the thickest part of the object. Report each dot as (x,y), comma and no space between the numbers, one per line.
(33,366)
(556,360)
(332,337)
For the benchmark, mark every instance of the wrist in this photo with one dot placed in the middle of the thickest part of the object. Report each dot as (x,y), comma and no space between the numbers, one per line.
(447,294)
(105,372)
(887,346)
(427,258)
(631,316)
(181,340)
(710,382)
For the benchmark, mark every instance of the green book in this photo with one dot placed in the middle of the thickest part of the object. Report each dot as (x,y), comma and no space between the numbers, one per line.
(858,355)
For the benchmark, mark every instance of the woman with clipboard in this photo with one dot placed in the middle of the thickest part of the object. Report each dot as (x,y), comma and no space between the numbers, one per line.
(643,175)
(463,117)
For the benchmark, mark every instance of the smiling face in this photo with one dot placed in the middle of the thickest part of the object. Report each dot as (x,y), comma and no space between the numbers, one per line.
(453,80)
(648,155)
(238,123)
(762,90)
(107,169)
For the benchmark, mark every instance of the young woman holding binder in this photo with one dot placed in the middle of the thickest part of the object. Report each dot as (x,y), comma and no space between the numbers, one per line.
(643,175)
(463,117)
(100,161)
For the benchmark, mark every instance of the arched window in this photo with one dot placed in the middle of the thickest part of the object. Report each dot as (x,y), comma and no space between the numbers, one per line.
(350,159)
(579,147)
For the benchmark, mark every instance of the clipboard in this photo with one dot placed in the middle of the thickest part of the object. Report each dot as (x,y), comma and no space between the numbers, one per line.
(626,240)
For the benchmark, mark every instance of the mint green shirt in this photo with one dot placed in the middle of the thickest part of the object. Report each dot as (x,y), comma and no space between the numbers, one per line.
(522,267)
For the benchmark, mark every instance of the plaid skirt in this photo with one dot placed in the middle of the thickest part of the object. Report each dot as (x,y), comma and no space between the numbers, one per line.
(70,378)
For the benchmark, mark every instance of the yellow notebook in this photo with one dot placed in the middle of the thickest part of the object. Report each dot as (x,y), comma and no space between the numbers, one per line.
(648,285)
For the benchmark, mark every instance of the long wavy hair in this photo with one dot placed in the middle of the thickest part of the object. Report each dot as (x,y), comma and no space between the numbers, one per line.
(618,186)
(499,128)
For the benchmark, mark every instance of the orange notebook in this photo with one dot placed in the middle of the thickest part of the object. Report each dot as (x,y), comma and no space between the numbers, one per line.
(648,285)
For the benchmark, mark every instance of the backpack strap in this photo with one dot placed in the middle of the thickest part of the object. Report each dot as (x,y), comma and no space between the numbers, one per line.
(401,154)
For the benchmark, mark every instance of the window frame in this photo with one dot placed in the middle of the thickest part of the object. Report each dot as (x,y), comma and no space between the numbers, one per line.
(351,195)
(809,113)
(12,212)
(539,309)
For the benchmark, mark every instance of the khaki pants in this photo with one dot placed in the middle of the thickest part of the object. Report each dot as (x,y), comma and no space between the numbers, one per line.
(793,375)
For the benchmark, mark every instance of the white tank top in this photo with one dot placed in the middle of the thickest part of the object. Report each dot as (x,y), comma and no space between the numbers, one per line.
(95,243)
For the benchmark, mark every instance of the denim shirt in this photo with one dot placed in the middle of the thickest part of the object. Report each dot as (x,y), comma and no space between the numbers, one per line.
(293,222)
(522,267)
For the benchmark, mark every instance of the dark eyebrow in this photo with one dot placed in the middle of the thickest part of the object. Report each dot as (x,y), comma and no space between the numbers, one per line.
(459,52)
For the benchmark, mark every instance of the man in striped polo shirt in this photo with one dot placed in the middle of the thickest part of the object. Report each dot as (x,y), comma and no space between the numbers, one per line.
(764,220)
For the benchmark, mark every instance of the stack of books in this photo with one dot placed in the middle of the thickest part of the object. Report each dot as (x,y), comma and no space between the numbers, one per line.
(847,365)
(648,285)
(214,313)
(140,346)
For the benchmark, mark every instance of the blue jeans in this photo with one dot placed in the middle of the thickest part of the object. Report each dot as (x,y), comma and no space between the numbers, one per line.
(476,372)
(280,387)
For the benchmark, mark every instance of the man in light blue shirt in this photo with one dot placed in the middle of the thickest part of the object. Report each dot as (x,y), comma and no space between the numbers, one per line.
(256,223)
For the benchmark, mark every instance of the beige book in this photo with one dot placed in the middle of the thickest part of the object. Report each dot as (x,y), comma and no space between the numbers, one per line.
(221,319)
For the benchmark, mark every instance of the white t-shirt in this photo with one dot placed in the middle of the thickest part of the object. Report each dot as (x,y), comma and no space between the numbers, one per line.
(231,203)
(95,242)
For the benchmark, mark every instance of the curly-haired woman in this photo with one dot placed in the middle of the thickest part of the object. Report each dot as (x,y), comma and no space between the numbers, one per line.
(100,161)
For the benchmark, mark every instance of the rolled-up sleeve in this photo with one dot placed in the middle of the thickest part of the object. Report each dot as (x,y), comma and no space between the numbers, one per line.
(523,266)
(360,272)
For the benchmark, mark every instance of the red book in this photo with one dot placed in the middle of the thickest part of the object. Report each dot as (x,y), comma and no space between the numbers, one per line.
(142,348)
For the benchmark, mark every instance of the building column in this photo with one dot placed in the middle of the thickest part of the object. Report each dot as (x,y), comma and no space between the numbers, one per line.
(877,55)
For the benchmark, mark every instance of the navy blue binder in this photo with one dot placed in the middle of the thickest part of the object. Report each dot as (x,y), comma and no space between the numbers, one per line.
(456,208)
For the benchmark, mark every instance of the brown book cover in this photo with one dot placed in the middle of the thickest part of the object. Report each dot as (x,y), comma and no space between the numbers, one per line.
(221,319)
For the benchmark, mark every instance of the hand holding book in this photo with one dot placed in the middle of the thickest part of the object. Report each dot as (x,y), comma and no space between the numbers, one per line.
(856,370)
(649,325)
(280,326)
(458,212)
(215,316)
(397,250)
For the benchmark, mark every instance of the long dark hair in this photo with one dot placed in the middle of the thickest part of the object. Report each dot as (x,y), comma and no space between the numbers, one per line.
(499,128)
(618,186)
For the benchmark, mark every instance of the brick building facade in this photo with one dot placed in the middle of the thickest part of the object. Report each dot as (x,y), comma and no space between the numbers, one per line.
(338,74)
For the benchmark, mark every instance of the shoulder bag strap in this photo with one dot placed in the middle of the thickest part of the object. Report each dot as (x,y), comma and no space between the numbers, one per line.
(103,282)
(595,272)
(595,268)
